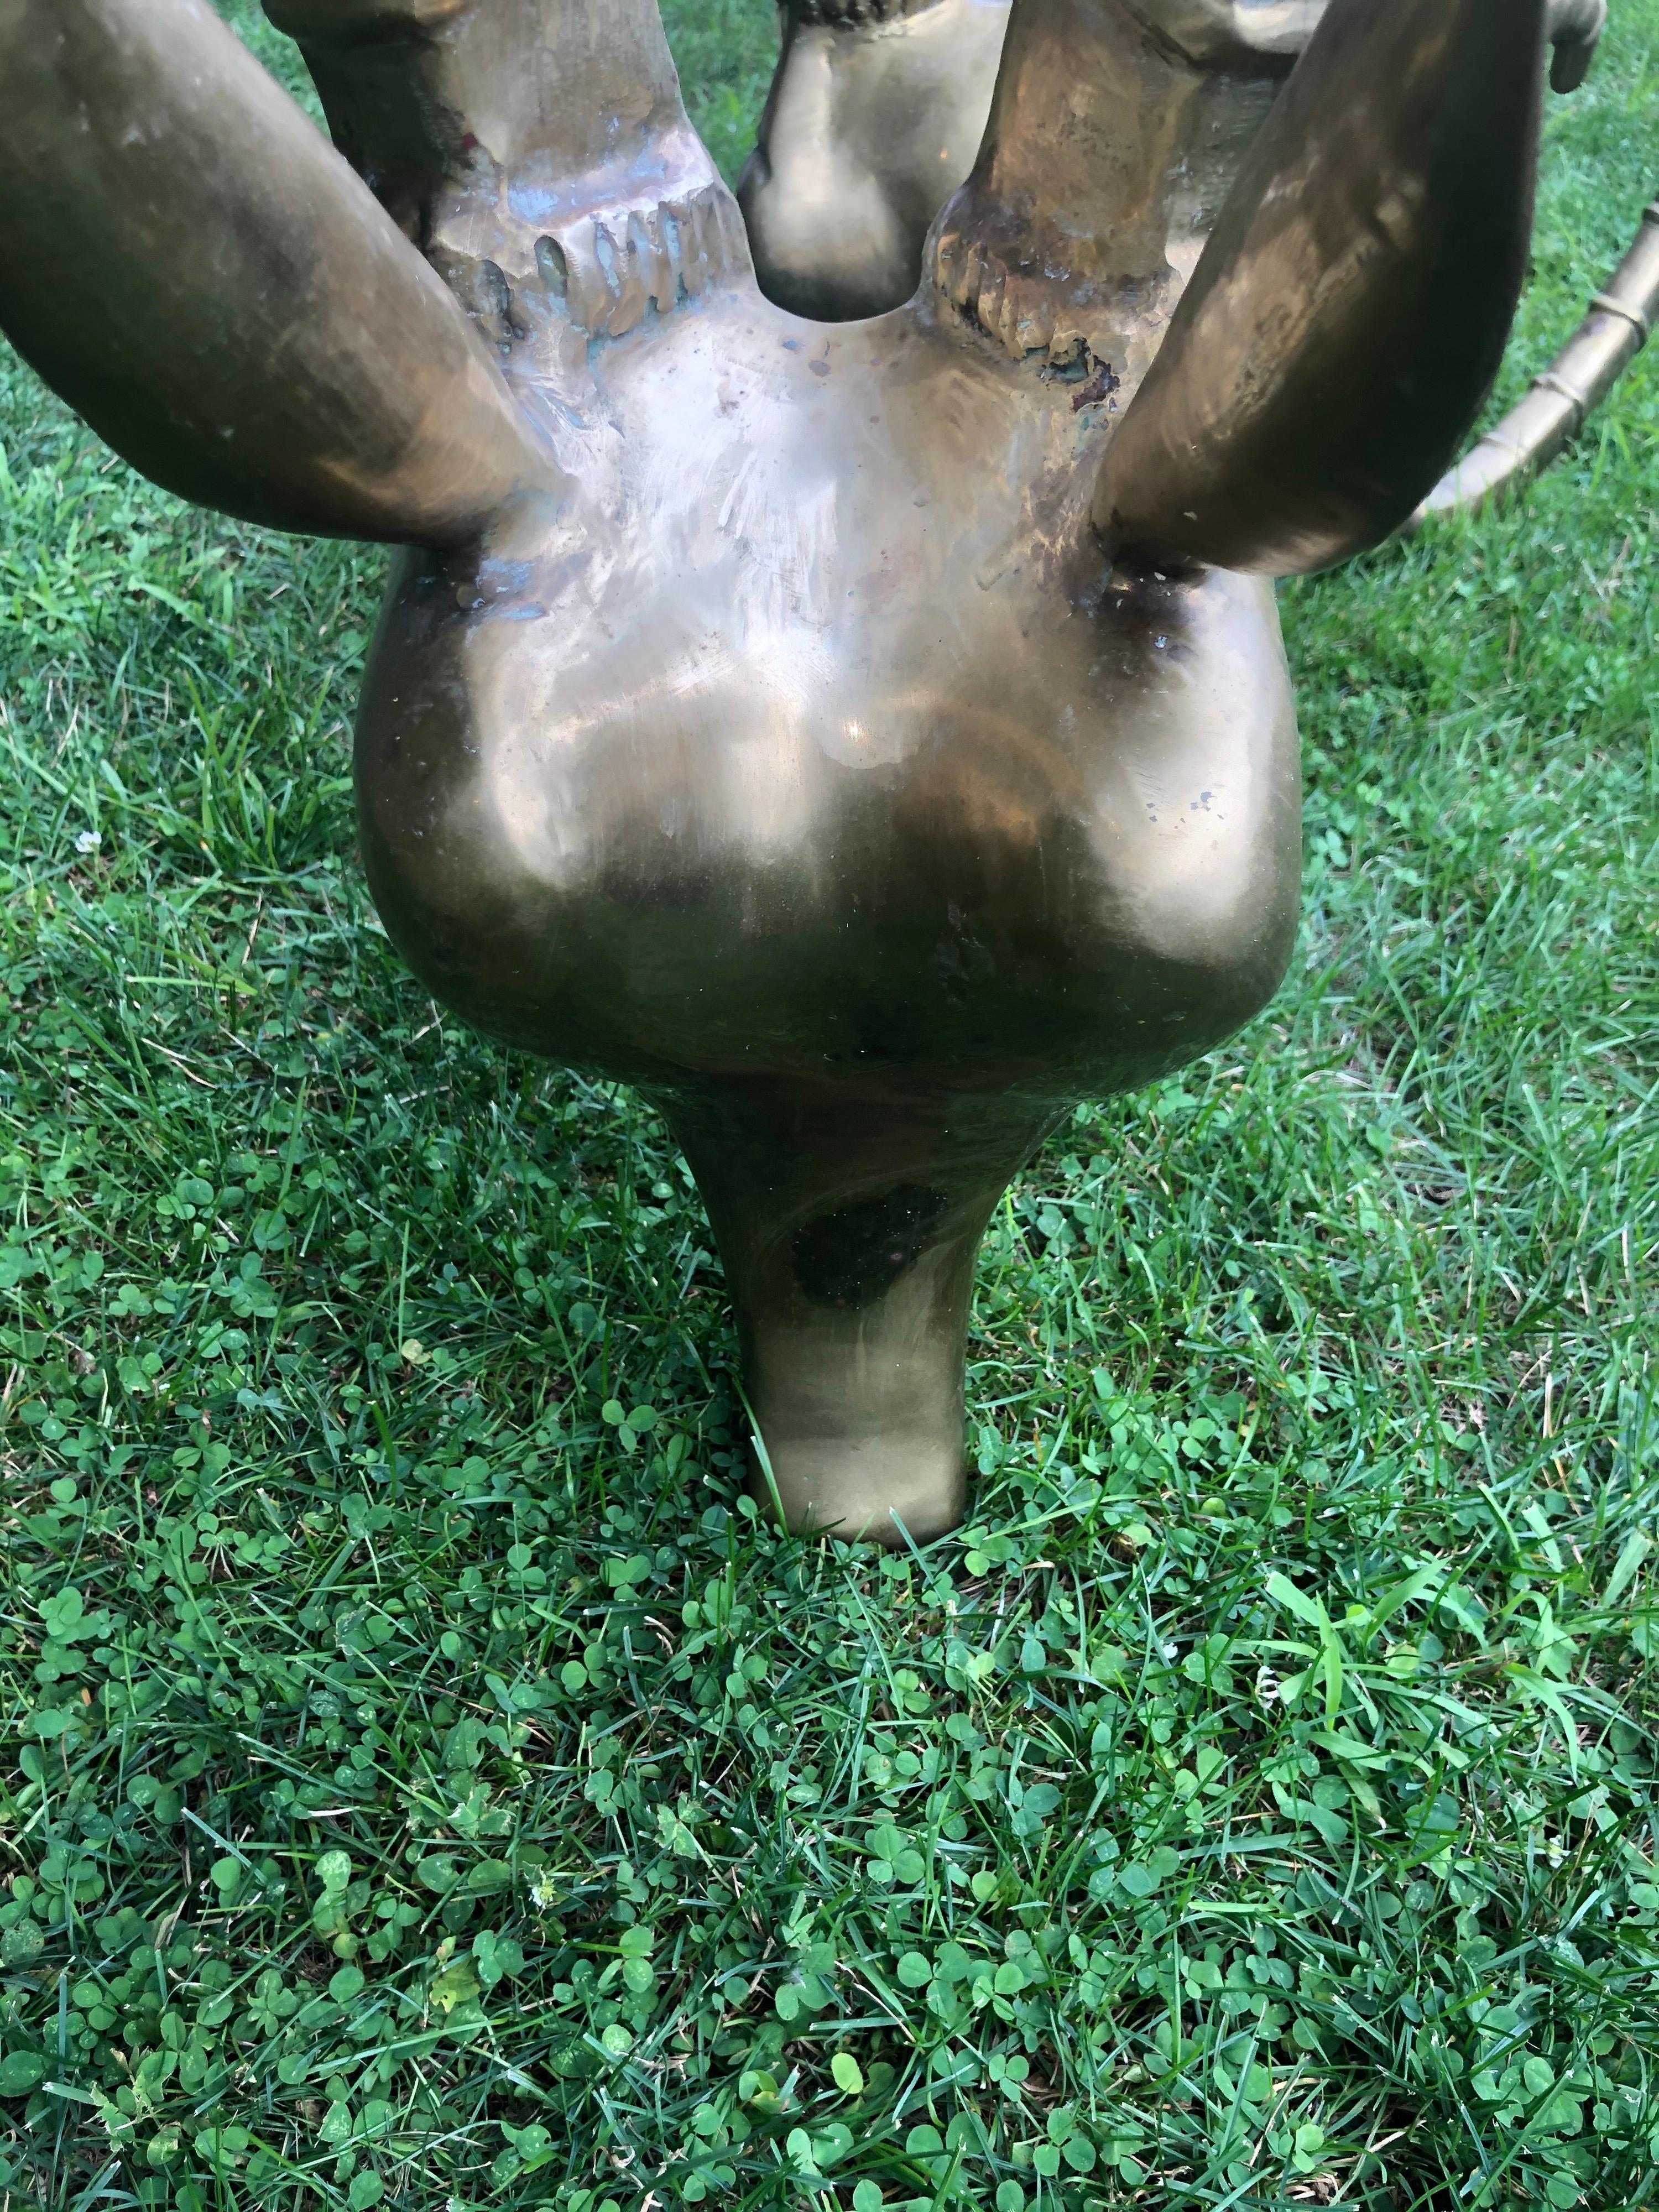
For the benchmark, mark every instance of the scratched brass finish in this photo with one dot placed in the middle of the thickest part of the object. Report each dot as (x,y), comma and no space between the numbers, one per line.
(758,715)
(878,108)
(1258,446)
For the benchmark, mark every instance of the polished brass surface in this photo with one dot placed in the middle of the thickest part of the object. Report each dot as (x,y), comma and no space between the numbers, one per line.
(534,149)
(758,715)
(1352,307)
(185,260)
(872,124)
(878,108)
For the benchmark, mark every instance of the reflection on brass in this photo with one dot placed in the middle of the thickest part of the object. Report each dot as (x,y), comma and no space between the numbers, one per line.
(1561,401)
(867,738)
(879,105)
(875,116)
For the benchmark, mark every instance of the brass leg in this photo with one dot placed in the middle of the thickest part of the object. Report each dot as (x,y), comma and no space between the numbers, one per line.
(849,1227)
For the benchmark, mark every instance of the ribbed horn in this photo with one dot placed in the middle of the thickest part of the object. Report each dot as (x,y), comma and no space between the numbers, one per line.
(537,151)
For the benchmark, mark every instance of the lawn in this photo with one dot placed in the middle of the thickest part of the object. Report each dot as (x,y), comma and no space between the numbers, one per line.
(425,1782)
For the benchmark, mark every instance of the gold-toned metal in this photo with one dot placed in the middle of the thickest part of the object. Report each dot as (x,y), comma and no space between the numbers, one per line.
(532,149)
(1560,402)
(1350,307)
(876,113)
(760,713)
(188,264)
(878,108)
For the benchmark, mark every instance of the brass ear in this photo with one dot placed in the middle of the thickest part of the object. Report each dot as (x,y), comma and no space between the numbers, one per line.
(259,338)
(1348,316)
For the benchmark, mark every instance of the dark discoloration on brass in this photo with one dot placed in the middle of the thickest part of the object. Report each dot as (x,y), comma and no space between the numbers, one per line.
(854,1257)
(758,715)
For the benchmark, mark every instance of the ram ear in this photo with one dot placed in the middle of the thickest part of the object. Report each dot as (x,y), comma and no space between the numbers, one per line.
(1350,312)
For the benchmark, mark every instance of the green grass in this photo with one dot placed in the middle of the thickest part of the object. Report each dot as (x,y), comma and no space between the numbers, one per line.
(424,1782)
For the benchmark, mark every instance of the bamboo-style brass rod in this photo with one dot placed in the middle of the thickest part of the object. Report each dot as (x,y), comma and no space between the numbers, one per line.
(1560,402)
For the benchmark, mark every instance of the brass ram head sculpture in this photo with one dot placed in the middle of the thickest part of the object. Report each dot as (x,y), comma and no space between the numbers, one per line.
(868,738)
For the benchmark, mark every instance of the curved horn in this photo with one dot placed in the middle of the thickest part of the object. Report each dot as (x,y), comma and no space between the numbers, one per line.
(1350,312)
(200,277)
(527,145)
